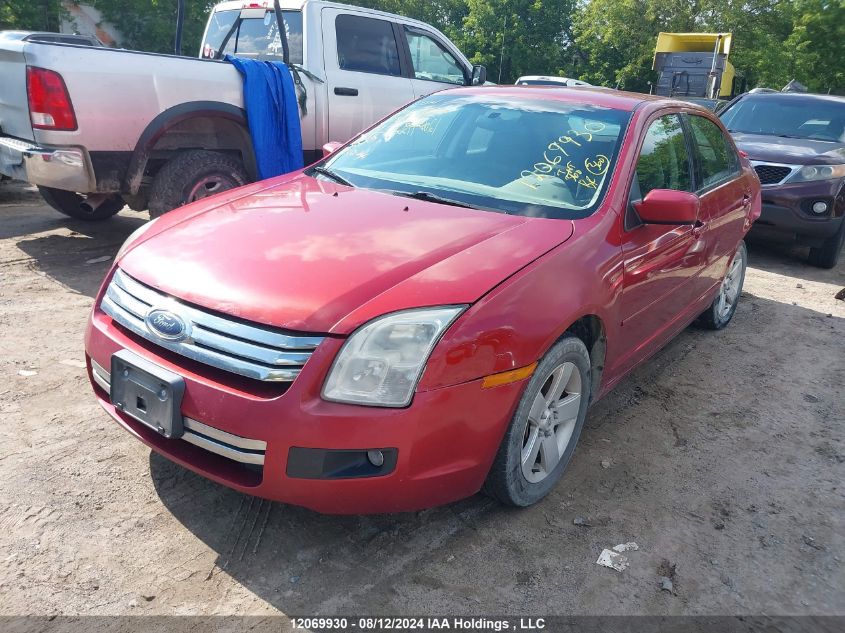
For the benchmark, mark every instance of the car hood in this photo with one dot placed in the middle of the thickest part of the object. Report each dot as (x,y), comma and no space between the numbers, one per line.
(313,256)
(794,151)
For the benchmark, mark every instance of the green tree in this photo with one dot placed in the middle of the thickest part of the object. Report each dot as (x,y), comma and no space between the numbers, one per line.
(150,25)
(817,42)
(30,15)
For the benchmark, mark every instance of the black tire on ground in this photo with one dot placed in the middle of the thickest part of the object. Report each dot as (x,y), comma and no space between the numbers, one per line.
(70,204)
(192,175)
(827,255)
(507,480)
(719,314)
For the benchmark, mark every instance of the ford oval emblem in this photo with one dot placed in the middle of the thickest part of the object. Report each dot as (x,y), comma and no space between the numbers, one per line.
(167,324)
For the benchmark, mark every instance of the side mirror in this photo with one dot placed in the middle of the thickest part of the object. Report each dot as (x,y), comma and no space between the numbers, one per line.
(479,75)
(330,148)
(667,206)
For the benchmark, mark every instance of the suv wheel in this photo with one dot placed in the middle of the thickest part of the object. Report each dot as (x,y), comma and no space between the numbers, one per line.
(827,255)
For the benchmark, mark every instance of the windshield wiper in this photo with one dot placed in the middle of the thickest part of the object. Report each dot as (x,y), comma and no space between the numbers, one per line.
(433,197)
(323,171)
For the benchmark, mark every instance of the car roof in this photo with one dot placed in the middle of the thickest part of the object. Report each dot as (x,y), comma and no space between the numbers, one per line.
(588,95)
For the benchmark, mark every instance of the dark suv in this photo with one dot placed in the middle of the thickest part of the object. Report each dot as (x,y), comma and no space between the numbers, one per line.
(796,143)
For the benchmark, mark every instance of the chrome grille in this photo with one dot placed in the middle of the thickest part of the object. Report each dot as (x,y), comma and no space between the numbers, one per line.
(773,174)
(248,350)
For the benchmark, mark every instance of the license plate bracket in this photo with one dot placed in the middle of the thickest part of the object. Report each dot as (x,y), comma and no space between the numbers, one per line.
(148,393)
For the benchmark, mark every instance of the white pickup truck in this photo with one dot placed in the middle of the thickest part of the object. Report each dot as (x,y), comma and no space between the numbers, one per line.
(96,128)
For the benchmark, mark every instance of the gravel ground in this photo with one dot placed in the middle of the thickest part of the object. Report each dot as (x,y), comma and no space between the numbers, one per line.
(722,457)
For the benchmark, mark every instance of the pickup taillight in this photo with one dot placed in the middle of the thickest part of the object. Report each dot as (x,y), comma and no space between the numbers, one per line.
(49,102)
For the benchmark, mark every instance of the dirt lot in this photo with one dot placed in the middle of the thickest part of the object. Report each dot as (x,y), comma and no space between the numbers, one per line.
(722,458)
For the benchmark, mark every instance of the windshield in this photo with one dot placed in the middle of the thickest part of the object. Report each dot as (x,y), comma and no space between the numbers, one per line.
(820,118)
(541,158)
(253,38)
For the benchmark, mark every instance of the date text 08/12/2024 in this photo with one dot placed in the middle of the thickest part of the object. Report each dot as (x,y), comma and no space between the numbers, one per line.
(418,624)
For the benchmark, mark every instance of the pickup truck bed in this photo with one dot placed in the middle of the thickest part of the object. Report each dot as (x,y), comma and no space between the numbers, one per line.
(157,131)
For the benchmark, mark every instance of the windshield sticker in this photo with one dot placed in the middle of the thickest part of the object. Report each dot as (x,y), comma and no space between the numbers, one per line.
(598,165)
(586,174)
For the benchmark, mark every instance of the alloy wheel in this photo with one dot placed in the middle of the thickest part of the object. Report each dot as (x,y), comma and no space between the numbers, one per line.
(551,422)
(731,285)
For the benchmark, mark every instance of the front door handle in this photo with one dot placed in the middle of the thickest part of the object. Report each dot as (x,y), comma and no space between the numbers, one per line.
(346,92)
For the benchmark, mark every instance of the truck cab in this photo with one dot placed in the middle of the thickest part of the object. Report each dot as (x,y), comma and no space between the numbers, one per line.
(696,65)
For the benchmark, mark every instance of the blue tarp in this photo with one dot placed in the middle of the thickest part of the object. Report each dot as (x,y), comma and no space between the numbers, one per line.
(272,114)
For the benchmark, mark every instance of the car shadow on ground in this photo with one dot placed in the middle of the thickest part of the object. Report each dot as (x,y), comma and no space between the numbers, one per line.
(790,259)
(75,253)
(632,474)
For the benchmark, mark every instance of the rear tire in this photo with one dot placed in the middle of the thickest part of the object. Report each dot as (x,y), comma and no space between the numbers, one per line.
(191,176)
(827,255)
(721,311)
(70,204)
(544,429)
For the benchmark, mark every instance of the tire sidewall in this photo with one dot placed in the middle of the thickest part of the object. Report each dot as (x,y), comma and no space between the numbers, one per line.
(721,322)
(175,180)
(212,170)
(521,491)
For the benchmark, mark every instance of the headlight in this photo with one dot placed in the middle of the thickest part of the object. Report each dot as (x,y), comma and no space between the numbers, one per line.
(809,173)
(134,237)
(382,361)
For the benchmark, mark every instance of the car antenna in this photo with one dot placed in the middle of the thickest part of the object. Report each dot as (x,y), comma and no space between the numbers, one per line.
(180,23)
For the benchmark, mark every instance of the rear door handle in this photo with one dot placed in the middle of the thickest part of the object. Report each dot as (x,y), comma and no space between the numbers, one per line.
(346,92)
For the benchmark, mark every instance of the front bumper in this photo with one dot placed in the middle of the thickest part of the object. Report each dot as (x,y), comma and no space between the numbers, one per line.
(787,211)
(441,446)
(57,167)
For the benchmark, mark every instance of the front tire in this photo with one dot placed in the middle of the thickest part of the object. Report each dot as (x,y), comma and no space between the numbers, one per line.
(721,311)
(191,176)
(543,432)
(827,255)
(70,204)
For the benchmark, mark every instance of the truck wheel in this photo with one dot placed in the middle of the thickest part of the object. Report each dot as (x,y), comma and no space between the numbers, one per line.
(827,255)
(543,432)
(73,205)
(191,176)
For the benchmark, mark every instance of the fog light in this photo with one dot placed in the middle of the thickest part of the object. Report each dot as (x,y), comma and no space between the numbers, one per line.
(819,207)
(376,458)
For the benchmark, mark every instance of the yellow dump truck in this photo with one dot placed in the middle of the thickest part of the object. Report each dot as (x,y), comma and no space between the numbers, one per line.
(695,65)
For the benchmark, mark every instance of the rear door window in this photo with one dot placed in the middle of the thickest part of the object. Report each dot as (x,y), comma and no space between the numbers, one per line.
(716,158)
(367,45)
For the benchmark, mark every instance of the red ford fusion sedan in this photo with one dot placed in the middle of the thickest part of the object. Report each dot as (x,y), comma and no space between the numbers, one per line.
(432,308)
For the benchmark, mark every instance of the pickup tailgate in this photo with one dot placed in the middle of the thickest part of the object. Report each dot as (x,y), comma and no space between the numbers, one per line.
(14,107)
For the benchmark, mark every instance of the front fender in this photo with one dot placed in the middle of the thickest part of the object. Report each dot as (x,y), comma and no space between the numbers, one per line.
(519,320)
